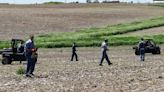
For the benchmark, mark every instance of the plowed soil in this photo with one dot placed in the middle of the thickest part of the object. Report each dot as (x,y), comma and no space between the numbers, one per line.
(56,73)
(18,21)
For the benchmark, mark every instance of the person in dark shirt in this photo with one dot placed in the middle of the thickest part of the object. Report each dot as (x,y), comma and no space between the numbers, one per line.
(74,52)
(142,49)
(31,56)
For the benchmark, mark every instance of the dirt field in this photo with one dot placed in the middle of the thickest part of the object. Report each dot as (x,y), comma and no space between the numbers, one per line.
(127,74)
(54,70)
(18,21)
(147,32)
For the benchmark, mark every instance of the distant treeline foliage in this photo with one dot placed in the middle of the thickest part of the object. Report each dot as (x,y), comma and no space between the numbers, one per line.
(51,2)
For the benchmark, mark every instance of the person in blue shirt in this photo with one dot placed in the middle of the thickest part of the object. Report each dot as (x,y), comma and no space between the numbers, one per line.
(142,49)
(74,52)
(31,56)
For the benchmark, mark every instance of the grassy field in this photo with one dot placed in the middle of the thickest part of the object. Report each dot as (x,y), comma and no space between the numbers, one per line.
(146,32)
(94,36)
(60,25)
(159,4)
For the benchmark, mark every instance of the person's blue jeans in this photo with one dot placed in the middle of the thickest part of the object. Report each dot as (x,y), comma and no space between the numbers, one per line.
(74,54)
(33,66)
(142,54)
(30,65)
(104,56)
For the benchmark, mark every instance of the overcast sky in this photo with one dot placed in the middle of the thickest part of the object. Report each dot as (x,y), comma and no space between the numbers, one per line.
(83,1)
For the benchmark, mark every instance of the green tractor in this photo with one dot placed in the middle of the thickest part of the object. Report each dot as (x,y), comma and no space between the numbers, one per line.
(15,53)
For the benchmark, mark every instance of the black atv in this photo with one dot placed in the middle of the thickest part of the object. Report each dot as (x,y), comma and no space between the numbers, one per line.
(150,47)
(14,53)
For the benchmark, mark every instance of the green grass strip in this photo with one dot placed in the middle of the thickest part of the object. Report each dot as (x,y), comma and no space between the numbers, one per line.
(158,4)
(113,41)
(94,36)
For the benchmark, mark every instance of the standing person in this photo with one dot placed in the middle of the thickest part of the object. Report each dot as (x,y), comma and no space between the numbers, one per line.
(31,56)
(142,49)
(104,53)
(74,52)
(21,47)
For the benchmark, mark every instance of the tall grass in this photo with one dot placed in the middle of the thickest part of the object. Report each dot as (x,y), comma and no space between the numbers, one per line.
(94,36)
(113,41)
(20,71)
(4,44)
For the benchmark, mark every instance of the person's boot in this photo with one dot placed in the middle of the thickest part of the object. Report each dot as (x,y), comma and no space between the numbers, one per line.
(110,64)
(27,75)
(100,65)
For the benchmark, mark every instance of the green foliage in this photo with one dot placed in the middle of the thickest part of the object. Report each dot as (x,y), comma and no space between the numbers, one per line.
(159,39)
(4,44)
(20,71)
(158,4)
(94,36)
(51,2)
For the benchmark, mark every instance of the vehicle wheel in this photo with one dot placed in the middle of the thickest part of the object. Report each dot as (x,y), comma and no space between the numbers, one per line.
(6,61)
(158,52)
(154,52)
(137,52)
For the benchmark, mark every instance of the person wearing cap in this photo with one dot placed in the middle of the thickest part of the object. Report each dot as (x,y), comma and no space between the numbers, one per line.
(31,56)
(141,46)
(104,47)
(74,54)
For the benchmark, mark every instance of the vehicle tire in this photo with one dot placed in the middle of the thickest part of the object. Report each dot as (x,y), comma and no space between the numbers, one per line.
(154,52)
(6,60)
(137,52)
(158,51)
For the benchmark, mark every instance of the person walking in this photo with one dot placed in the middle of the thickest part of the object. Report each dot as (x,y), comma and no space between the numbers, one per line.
(31,56)
(104,53)
(74,54)
(142,49)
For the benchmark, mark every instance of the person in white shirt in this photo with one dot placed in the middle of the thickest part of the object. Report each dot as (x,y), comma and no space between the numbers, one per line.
(104,53)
